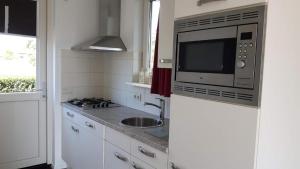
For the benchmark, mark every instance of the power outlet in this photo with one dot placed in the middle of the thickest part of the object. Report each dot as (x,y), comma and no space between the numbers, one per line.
(138,97)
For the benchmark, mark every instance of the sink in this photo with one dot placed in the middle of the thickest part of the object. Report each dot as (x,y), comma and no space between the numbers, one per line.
(141,122)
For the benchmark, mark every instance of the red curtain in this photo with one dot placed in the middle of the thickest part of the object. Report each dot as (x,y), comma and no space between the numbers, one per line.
(161,80)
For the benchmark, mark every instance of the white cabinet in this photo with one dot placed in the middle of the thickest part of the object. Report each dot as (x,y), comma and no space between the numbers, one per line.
(138,164)
(190,7)
(212,135)
(82,142)
(166,29)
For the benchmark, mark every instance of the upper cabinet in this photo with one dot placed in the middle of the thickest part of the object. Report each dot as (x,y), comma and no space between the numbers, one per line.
(166,29)
(194,7)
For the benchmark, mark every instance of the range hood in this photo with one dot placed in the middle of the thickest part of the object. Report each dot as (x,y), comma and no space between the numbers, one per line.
(109,40)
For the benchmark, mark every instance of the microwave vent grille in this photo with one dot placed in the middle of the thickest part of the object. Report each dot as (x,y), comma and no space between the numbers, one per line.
(228,94)
(250,15)
(214,92)
(178,88)
(200,91)
(204,22)
(218,20)
(235,17)
(189,89)
(247,97)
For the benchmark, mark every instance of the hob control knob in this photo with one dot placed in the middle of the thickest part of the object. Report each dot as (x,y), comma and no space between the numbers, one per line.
(241,64)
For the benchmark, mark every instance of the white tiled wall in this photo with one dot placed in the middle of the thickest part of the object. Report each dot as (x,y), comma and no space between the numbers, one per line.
(117,71)
(82,75)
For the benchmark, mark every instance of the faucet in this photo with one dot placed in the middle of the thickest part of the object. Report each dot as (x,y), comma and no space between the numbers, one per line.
(161,107)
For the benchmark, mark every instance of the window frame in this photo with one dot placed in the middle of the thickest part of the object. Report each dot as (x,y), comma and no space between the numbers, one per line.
(147,35)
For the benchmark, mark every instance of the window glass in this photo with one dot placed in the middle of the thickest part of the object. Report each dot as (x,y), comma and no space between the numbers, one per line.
(17,63)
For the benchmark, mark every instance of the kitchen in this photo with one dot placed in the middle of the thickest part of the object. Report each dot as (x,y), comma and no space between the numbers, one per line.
(236,111)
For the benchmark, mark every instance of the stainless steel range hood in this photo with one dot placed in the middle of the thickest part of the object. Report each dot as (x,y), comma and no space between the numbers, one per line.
(110,39)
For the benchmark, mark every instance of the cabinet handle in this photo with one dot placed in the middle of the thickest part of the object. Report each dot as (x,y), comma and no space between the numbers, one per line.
(165,60)
(75,129)
(120,157)
(173,166)
(70,114)
(201,2)
(146,152)
(89,125)
(133,164)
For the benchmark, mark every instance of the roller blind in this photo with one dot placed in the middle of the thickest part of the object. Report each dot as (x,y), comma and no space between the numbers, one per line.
(22,17)
(2,16)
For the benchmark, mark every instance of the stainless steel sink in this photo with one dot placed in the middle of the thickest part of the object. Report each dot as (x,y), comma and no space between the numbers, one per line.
(141,122)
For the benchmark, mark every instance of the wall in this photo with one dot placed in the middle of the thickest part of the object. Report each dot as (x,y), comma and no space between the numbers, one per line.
(280,112)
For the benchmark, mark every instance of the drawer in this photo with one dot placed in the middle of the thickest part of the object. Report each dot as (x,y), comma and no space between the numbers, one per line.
(118,139)
(115,158)
(154,157)
(90,125)
(70,114)
(138,164)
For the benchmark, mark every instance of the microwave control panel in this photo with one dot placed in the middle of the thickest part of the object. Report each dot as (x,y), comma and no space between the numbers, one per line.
(245,56)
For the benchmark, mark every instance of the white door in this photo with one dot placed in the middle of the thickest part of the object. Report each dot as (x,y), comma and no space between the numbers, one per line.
(23,108)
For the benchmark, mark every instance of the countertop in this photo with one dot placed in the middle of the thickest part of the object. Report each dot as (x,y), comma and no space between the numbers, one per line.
(111,117)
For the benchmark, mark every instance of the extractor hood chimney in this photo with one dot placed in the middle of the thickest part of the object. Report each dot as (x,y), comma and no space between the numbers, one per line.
(109,40)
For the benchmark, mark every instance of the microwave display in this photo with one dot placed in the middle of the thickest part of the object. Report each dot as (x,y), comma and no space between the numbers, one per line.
(210,56)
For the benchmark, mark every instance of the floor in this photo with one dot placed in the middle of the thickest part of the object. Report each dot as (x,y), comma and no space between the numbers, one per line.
(43,166)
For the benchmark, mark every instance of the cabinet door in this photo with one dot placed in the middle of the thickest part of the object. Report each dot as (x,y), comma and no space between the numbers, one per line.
(91,146)
(70,144)
(115,158)
(194,7)
(211,135)
(166,29)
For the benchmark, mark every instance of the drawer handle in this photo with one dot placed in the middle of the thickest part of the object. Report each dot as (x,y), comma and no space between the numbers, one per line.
(70,114)
(75,129)
(165,60)
(89,125)
(173,166)
(120,157)
(201,2)
(133,164)
(146,152)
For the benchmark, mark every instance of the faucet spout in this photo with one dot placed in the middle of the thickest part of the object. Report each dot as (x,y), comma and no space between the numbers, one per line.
(161,107)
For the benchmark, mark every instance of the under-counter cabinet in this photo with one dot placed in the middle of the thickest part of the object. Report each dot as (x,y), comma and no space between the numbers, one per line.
(87,144)
(82,142)
(195,7)
(122,152)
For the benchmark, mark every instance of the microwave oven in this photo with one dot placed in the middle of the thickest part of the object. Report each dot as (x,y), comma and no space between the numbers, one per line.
(219,56)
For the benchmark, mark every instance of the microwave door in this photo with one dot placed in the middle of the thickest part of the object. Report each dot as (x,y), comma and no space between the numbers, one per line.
(207,56)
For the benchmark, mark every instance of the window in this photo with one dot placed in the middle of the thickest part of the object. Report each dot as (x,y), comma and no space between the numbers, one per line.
(152,22)
(18,46)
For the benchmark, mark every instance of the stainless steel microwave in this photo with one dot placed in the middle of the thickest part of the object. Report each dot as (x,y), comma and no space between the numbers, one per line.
(219,56)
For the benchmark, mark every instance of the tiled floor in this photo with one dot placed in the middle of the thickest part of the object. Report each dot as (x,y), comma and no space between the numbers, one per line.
(43,166)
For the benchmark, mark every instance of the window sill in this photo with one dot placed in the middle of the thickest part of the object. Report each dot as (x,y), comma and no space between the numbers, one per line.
(141,85)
